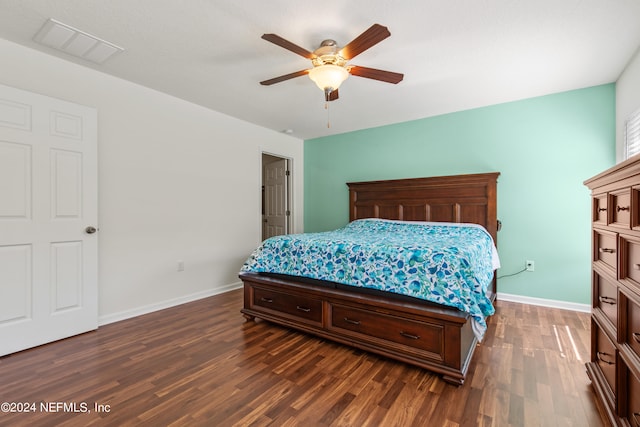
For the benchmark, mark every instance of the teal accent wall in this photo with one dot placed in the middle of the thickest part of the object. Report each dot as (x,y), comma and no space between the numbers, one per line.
(544,148)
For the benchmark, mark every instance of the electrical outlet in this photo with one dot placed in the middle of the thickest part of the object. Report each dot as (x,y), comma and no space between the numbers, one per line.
(180,265)
(529,265)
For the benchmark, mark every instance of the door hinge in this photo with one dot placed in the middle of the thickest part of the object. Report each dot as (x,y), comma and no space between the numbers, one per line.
(287,173)
(287,213)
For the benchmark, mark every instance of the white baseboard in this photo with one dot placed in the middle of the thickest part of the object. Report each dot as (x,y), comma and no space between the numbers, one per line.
(139,311)
(585,308)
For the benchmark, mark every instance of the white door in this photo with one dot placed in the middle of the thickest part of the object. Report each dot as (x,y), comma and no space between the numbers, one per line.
(275,198)
(48,198)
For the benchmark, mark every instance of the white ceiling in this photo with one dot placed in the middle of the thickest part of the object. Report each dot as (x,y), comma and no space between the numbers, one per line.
(455,54)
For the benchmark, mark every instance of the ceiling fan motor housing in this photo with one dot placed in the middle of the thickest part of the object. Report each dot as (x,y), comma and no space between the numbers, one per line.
(328,54)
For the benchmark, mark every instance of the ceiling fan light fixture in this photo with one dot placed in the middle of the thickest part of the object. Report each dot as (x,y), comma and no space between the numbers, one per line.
(328,76)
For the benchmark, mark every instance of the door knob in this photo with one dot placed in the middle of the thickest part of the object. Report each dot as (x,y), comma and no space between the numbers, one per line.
(90,230)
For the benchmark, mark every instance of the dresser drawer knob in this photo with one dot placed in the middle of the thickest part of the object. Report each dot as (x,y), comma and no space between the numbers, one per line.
(607,300)
(305,309)
(636,337)
(269,300)
(636,266)
(622,208)
(602,209)
(599,355)
(607,250)
(353,322)
(410,336)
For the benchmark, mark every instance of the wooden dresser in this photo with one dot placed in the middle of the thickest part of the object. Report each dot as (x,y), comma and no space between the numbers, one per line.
(614,368)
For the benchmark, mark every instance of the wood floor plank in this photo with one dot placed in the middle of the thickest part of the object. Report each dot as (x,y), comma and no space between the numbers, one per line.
(357,413)
(202,364)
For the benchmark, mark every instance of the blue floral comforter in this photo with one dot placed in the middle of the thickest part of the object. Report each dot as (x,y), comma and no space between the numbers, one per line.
(451,264)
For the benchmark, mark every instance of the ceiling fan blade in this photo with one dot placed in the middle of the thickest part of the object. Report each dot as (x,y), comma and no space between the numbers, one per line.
(374,35)
(277,40)
(284,77)
(372,73)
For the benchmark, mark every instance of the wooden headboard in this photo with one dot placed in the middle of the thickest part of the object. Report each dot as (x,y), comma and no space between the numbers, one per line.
(458,198)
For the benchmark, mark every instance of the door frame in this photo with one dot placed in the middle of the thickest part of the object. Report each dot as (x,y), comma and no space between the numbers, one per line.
(289,184)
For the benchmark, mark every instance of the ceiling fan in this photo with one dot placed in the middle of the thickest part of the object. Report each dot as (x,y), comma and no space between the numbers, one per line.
(329,62)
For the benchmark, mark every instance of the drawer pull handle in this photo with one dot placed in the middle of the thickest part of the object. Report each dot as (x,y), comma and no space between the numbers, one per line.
(636,337)
(607,300)
(636,266)
(602,209)
(406,335)
(269,300)
(607,250)
(353,322)
(599,355)
(305,309)
(621,208)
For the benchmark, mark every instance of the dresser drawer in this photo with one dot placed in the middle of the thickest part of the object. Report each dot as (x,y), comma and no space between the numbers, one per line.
(294,305)
(630,407)
(631,333)
(620,206)
(605,249)
(630,261)
(599,215)
(393,329)
(605,297)
(605,356)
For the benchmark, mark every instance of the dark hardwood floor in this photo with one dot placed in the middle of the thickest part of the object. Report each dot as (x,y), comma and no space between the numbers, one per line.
(201,364)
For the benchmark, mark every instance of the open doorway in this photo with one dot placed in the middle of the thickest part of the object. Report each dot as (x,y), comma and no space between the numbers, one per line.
(276,197)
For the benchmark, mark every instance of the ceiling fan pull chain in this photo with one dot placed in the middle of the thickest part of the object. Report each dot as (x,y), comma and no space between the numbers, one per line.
(326,107)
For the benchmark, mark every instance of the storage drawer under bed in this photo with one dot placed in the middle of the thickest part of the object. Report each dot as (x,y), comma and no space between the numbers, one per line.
(395,330)
(289,304)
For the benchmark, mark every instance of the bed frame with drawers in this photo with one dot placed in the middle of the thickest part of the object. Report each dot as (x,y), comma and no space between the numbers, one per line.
(410,330)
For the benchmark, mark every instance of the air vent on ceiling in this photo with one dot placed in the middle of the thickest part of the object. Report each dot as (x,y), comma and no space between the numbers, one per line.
(70,40)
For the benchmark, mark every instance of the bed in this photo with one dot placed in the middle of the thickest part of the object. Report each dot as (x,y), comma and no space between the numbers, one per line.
(413,328)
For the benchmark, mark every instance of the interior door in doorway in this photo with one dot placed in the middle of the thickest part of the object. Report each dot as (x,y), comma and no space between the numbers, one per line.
(275,181)
(48,219)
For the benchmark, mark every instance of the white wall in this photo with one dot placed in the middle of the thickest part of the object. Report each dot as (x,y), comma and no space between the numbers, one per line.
(176,182)
(627,99)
